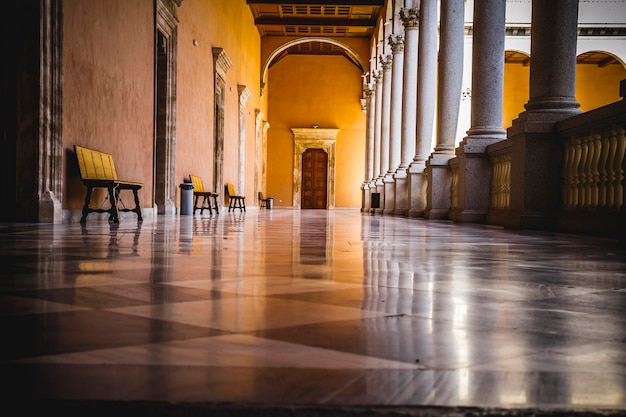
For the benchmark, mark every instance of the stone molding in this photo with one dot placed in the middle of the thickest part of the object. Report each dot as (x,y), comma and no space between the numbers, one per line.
(313,138)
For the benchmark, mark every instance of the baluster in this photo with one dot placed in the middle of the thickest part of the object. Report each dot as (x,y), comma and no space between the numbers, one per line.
(603,172)
(578,158)
(593,170)
(610,198)
(507,181)
(619,168)
(569,167)
(586,173)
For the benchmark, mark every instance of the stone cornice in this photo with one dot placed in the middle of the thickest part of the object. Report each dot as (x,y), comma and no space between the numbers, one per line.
(221,61)
(314,133)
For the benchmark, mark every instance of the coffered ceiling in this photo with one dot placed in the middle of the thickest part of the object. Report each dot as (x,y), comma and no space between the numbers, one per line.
(331,18)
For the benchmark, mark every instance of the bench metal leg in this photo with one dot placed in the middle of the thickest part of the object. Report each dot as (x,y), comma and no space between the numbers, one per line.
(83,218)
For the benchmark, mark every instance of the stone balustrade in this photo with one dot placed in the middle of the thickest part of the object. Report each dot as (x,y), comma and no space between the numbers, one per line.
(593,171)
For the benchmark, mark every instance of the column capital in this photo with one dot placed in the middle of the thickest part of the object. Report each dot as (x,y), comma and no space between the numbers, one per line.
(410,18)
(386,61)
(397,43)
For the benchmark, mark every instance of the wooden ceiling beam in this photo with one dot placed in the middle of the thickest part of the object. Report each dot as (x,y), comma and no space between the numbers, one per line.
(379,3)
(314,22)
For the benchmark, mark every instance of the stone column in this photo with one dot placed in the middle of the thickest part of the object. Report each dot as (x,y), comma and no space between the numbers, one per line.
(410,19)
(395,121)
(536,151)
(450,80)
(378,101)
(369,146)
(385,120)
(474,167)
(426,101)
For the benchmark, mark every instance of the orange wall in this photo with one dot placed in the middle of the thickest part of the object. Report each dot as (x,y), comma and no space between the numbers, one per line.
(304,91)
(516,92)
(107,90)
(597,87)
(108,97)
(228,25)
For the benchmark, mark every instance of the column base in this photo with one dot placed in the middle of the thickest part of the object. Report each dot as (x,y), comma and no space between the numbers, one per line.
(389,195)
(439,186)
(401,203)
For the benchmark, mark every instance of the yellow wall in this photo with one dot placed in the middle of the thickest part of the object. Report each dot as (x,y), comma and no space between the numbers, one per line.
(516,92)
(597,87)
(228,25)
(108,89)
(316,90)
(108,96)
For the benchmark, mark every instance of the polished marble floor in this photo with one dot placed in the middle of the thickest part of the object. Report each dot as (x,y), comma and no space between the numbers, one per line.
(287,312)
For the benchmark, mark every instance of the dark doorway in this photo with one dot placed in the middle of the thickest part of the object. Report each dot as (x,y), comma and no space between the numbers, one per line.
(314,179)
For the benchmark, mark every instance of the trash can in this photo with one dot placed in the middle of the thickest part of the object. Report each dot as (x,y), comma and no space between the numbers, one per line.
(375,201)
(270,202)
(186,198)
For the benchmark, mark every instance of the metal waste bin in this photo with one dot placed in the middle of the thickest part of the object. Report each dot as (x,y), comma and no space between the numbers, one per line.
(186,198)
(375,201)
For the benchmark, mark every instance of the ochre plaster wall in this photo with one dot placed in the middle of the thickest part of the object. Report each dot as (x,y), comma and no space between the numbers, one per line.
(304,91)
(228,25)
(108,97)
(516,92)
(108,89)
(596,86)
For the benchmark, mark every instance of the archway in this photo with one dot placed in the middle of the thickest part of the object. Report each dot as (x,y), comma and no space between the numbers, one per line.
(351,54)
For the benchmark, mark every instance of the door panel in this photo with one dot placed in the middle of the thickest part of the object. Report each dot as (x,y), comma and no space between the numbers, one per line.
(314,179)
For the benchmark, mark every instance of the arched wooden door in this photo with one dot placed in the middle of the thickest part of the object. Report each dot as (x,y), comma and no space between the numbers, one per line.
(314,179)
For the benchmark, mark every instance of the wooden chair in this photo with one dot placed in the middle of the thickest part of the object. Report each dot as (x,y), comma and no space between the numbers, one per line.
(235,201)
(97,170)
(265,202)
(199,191)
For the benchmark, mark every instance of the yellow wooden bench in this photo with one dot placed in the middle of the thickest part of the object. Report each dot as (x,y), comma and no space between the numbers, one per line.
(234,201)
(199,191)
(97,170)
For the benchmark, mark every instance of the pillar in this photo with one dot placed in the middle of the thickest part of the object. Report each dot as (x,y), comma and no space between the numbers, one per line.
(410,20)
(385,120)
(378,101)
(536,151)
(426,99)
(450,80)
(395,120)
(369,146)
(474,168)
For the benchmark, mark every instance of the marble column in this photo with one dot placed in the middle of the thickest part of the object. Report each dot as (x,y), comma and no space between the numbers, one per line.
(385,120)
(369,146)
(378,101)
(426,101)
(474,167)
(536,151)
(395,120)
(450,80)
(410,20)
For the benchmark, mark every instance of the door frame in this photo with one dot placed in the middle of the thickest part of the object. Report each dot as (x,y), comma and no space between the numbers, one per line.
(303,139)
(315,152)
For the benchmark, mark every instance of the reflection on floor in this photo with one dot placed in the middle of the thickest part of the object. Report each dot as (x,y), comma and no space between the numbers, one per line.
(310,313)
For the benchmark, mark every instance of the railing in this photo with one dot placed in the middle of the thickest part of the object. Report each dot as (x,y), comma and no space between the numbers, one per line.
(593,171)
(454,186)
(500,194)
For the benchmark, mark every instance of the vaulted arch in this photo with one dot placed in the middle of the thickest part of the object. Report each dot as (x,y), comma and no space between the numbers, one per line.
(350,54)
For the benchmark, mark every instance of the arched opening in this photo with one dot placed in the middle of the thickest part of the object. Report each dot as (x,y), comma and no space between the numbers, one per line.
(598,75)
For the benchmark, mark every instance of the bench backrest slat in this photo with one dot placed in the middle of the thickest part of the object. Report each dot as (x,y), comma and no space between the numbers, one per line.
(198,184)
(95,165)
